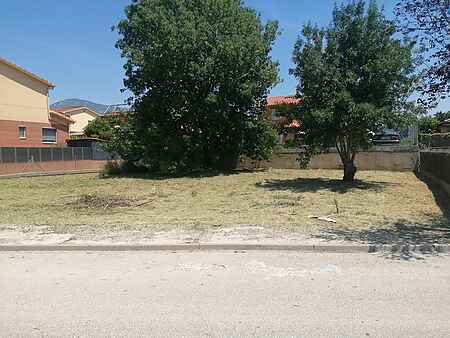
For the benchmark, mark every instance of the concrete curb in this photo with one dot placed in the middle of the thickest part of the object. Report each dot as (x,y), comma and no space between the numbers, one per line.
(424,248)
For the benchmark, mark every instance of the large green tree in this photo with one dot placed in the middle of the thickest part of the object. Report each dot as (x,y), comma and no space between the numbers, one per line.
(354,78)
(200,72)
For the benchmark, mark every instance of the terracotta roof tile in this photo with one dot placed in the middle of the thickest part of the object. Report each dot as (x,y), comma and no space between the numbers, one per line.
(294,124)
(275,100)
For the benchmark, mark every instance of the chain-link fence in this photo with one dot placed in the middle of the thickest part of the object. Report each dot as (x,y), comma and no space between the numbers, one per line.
(25,155)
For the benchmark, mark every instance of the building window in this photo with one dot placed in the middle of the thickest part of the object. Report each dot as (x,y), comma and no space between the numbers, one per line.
(48,135)
(22,133)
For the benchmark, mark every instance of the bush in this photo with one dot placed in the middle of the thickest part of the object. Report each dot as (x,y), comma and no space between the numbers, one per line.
(435,140)
(116,168)
(291,144)
(111,168)
(103,127)
(428,124)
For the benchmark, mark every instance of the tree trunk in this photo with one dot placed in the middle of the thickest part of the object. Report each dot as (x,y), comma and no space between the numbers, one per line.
(227,162)
(348,155)
(349,171)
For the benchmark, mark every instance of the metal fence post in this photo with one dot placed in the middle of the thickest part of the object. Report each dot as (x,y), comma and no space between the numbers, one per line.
(15,155)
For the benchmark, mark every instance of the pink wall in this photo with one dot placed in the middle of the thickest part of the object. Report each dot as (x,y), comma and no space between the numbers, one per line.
(50,167)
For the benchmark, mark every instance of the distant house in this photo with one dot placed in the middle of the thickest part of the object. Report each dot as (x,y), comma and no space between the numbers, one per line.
(444,126)
(25,118)
(287,130)
(81,117)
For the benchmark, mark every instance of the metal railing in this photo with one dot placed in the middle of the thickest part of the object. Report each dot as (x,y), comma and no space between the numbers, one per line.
(25,154)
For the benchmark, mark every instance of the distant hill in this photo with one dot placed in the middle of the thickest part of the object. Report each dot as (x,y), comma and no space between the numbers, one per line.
(97,107)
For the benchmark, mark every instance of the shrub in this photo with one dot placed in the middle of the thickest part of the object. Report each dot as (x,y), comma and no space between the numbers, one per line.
(116,168)
(111,168)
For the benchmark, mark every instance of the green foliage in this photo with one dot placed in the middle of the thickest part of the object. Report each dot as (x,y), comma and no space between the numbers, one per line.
(406,142)
(102,127)
(354,77)
(442,116)
(117,134)
(441,140)
(118,168)
(111,168)
(291,144)
(200,71)
(428,124)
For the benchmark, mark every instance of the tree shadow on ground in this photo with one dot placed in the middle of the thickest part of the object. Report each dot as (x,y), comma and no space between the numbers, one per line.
(433,232)
(316,184)
(399,235)
(441,198)
(196,174)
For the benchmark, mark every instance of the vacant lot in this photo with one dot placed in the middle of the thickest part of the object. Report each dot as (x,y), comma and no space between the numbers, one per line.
(285,198)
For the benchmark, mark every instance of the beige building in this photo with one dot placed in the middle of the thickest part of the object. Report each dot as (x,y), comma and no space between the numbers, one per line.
(25,118)
(81,117)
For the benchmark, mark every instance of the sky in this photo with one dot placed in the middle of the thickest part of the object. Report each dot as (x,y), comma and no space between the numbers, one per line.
(70,43)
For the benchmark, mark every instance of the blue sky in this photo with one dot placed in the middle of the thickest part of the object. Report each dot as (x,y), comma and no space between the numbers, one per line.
(70,43)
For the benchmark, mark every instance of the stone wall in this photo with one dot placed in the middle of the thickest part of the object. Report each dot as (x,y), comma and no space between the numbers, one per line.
(436,165)
(441,140)
(390,158)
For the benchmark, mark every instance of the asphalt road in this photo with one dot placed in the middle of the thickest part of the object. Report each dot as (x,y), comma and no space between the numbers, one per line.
(216,294)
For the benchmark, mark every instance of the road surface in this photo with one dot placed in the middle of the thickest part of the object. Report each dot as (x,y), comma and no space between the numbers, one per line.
(222,294)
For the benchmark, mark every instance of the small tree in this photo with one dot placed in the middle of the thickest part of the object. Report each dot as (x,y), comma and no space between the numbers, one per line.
(117,136)
(428,21)
(354,78)
(102,127)
(442,116)
(428,124)
(200,71)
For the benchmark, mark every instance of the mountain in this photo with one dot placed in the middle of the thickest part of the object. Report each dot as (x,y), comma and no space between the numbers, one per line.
(97,107)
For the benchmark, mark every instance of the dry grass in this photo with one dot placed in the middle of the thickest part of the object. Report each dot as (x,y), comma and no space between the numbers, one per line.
(270,198)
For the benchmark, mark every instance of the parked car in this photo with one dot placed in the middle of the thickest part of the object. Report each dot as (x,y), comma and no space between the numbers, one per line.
(386,136)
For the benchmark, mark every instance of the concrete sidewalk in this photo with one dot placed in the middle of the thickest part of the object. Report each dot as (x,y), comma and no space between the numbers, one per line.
(248,238)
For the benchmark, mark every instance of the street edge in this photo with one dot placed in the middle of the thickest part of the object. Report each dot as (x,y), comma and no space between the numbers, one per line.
(402,248)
